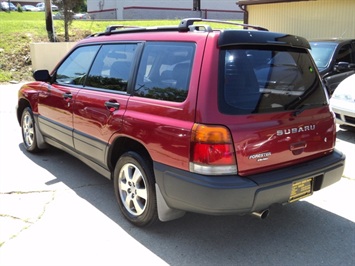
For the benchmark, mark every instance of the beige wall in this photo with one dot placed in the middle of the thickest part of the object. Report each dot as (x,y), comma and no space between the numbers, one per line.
(310,19)
(47,55)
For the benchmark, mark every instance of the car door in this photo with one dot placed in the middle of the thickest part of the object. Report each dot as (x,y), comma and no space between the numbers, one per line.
(57,101)
(343,66)
(100,106)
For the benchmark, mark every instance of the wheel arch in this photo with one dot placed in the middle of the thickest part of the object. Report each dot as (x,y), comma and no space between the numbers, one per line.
(124,144)
(27,97)
(22,104)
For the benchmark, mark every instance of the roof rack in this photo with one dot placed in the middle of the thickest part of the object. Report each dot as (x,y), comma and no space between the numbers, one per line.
(115,27)
(185,25)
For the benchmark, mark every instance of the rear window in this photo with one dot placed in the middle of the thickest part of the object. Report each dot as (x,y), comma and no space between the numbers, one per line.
(257,80)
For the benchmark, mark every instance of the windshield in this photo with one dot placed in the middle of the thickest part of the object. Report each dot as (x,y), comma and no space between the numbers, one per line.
(322,53)
(257,80)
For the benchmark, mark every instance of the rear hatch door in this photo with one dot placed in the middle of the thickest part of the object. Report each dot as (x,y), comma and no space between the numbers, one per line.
(272,100)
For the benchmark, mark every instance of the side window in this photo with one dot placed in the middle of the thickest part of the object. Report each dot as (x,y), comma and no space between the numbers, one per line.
(75,67)
(164,71)
(112,67)
(344,54)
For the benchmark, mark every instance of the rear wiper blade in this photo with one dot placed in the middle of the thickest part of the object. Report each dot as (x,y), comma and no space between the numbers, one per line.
(300,109)
(303,107)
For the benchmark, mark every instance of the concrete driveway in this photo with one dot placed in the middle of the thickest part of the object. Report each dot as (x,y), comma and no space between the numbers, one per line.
(54,210)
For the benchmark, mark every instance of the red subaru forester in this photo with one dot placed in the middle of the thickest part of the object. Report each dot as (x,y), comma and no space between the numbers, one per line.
(189,119)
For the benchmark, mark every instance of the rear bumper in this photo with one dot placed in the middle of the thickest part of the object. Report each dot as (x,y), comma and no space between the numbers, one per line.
(217,195)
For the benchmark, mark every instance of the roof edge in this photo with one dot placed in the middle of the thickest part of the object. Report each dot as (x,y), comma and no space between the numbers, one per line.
(259,2)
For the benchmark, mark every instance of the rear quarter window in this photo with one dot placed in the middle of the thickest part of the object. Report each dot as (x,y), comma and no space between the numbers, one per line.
(260,80)
(164,71)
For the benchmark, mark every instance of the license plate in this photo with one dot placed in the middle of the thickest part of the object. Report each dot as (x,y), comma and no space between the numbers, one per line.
(301,189)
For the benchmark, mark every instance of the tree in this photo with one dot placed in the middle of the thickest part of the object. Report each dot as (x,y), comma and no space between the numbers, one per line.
(68,7)
(49,21)
(196,5)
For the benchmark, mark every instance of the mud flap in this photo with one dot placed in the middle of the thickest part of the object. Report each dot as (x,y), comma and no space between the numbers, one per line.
(165,213)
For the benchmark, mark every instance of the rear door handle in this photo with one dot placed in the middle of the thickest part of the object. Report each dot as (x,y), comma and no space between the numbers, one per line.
(67,96)
(112,106)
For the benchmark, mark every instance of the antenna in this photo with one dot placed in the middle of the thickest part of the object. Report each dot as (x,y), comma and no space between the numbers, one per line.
(343,33)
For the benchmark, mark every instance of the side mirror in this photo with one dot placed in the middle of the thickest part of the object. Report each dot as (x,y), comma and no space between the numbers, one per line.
(342,66)
(42,75)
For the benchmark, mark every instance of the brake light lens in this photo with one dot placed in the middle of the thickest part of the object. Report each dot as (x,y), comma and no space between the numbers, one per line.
(212,151)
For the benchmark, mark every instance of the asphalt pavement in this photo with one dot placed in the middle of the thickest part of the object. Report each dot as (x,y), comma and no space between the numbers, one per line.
(54,210)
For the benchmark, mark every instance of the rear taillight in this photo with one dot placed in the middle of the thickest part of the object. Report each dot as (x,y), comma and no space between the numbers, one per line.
(212,151)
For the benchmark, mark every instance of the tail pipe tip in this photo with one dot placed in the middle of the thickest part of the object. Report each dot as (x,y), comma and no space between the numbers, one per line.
(262,214)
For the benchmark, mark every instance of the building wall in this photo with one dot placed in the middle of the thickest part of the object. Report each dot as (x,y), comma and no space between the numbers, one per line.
(169,9)
(310,19)
(25,2)
(131,13)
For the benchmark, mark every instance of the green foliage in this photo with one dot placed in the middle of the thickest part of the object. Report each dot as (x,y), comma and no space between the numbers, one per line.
(73,5)
(5,75)
(18,30)
(19,8)
(83,7)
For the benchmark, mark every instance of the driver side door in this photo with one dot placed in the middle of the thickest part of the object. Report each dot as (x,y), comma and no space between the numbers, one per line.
(56,102)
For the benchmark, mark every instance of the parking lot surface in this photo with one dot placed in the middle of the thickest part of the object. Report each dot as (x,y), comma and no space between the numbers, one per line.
(54,210)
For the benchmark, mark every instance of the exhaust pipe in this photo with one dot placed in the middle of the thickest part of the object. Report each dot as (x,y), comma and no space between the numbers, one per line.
(262,214)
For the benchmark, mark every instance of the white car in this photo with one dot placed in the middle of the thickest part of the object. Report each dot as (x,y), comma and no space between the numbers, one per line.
(30,8)
(8,6)
(81,16)
(343,102)
(41,7)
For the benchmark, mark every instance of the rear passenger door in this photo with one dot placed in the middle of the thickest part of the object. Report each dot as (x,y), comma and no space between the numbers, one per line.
(101,104)
(161,110)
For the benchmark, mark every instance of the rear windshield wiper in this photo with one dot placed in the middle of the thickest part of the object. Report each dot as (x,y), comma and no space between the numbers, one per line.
(303,107)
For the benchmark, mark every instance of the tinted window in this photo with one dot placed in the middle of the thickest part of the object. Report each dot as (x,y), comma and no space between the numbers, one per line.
(75,67)
(164,71)
(262,81)
(344,54)
(112,67)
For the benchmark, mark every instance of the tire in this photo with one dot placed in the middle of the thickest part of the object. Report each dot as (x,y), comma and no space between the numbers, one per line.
(134,185)
(28,130)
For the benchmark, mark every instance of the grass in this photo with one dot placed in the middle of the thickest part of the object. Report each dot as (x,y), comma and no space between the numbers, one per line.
(19,29)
